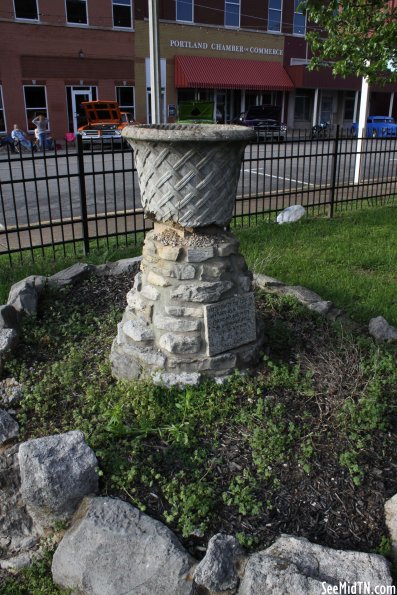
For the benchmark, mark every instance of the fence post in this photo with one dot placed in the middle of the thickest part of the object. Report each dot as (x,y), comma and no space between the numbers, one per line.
(83,195)
(333,174)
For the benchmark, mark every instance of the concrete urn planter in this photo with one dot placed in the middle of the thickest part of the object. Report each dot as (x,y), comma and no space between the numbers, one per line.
(188,173)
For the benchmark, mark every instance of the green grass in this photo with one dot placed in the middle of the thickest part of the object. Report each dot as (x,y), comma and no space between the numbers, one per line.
(350,260)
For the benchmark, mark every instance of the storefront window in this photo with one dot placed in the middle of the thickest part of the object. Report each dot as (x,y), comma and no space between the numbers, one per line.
(184,10)
(35,103)
(274,19)
(76,11)
(186,95)
(302,106)
(349,105)
(2,117)
(125,99)
(299,20)
(122,14)
(26,9)
(232,13)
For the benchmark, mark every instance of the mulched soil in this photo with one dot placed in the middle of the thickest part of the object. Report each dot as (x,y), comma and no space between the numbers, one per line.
(325,505)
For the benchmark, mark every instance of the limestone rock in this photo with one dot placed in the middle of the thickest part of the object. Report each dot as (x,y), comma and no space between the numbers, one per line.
(8,317)
(18,562)
(138,331)
(206,291)
(125,265)
(294,565)
(228,248)
(266,281)
(9,428)
(8,342)
(217,571)
(391,522)
(184,311)
(199,253)
(168,252)
(322,307)
(302,294)
(381,330)
(150,292)
(181,271)
(169,379)
(180,343)
(24,295)
(17,530)
(157,280)
(265,574)
(176,324)
(113,548)
(123,367)
(56,473)
(291,214)
(71,275)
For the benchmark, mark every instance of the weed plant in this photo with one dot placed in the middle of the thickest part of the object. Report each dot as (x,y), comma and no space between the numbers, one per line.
(215,457)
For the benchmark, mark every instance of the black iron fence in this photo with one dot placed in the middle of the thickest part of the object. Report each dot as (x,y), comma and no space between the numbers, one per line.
(74,198)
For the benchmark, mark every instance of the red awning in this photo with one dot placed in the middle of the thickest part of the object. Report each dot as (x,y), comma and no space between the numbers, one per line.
(226,73)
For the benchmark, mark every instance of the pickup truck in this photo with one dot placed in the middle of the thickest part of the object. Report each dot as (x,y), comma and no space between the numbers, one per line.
(379,126)
(105,121)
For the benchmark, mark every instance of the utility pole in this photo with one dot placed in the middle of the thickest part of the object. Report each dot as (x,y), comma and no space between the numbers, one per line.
(362,127)
(154,44)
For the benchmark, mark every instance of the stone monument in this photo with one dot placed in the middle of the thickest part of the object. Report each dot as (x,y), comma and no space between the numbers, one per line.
(191,311)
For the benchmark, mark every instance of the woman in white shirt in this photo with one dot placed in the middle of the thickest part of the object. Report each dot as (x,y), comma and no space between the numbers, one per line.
(41,123)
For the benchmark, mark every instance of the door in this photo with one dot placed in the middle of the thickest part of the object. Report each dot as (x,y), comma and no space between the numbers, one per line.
(78,96)
(326,109)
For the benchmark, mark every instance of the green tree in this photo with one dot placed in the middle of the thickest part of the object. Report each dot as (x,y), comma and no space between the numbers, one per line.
(354,37)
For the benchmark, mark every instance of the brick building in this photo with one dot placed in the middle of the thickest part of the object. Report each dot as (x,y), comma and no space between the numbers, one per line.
(54,54)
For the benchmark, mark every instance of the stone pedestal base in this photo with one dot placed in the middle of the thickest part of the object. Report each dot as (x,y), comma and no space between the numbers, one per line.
(191,310)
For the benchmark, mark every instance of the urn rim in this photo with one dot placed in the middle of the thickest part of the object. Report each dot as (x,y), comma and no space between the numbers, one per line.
(189,133)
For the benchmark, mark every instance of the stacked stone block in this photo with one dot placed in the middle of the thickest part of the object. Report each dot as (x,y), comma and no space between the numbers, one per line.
(166,328)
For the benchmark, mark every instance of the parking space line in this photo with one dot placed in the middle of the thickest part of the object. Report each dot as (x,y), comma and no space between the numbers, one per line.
(252,171)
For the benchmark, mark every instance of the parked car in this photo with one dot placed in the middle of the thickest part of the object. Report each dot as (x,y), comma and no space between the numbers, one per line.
(378,126)
(105,121)
(265,121)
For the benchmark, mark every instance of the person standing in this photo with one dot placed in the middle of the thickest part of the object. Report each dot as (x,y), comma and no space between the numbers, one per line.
(41,123)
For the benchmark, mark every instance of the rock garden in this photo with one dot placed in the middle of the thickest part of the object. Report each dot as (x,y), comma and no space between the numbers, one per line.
(301,446)
(173,424)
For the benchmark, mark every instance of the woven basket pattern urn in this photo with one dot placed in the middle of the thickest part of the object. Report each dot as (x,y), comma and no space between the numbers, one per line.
(188,173)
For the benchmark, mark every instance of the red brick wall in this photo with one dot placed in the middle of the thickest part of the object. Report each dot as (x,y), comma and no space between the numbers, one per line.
(53,60)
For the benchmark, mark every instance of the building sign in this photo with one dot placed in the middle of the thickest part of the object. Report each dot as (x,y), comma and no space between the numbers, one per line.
(225,47)
(171,110)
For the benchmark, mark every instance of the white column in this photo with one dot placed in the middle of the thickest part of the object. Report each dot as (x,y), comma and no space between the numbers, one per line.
(362,127)
(154,42)
(391,104)
(315,107)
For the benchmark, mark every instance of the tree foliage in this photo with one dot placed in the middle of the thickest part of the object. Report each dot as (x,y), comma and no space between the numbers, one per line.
(354,36)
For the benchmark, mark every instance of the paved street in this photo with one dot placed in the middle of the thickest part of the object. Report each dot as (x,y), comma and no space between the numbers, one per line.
(36,191)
